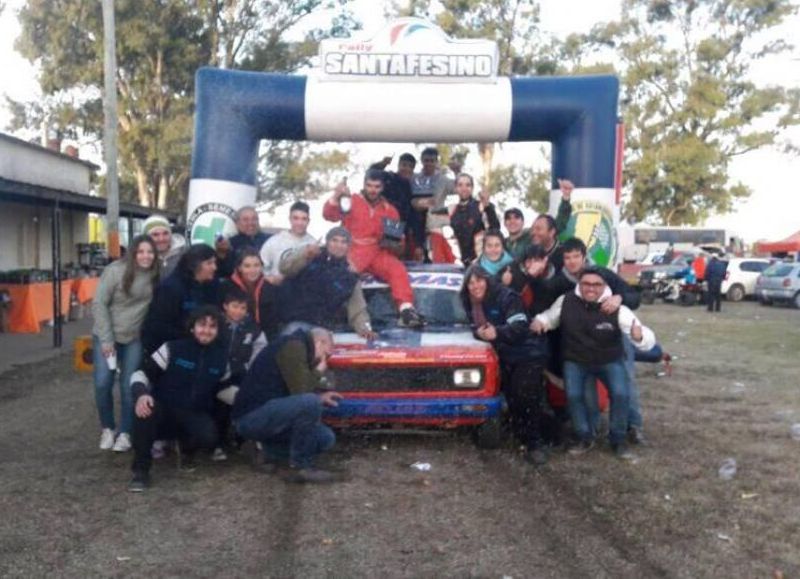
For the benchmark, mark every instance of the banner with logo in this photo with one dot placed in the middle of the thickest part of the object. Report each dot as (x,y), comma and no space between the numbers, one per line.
(212,208)
(595,217)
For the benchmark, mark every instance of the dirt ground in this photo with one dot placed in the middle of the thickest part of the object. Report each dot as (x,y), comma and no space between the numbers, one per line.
(735,392)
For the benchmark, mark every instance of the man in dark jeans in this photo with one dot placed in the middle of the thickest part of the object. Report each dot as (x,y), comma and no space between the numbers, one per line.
(280,403)
(175,392)
(715,275)
(591,346)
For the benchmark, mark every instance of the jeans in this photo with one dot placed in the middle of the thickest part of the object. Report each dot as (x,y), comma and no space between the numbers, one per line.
(288,427)
(714,296)
(193,429)
(129,357)
(635,419)
(614,376)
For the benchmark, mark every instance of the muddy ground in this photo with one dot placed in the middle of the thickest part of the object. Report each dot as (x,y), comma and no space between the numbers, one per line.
(734,393)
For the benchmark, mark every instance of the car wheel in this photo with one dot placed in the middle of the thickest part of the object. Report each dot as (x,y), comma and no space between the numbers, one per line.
(687,299)
(736,293)
(796,300)
(648,297)
(489,435)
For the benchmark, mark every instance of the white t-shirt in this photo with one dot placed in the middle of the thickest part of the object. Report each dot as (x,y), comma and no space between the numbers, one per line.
(275,247)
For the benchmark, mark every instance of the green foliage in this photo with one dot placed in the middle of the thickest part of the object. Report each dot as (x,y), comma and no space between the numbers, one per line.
(295,170)
(160,45)
(688,102)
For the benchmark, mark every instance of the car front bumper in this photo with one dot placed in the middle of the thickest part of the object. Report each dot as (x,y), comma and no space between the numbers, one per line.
(432,411)
(775,294)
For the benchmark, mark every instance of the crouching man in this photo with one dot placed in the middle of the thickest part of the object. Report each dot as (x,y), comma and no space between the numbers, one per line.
(280,403)
(175,392)
(591,346)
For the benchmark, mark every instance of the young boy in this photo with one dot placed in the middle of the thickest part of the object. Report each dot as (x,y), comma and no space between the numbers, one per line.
(243,341)
(176,390)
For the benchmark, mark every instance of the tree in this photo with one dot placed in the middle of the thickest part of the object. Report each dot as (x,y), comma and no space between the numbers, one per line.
(160,45)
(689,104)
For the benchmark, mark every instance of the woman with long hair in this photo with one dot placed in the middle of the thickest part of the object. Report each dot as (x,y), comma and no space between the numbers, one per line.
(119,308)
(191,285)
(249,275)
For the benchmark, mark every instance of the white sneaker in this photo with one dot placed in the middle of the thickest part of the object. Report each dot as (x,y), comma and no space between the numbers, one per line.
(218,455)
(107,439)
(123,442)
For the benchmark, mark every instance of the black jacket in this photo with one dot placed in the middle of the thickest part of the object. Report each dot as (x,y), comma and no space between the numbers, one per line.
(239,340)
(588,336)
(318,293)
(504,310)
(467,221)
(190,378)
(173,301)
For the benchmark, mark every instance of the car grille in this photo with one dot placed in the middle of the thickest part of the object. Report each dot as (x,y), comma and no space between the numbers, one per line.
(394,379)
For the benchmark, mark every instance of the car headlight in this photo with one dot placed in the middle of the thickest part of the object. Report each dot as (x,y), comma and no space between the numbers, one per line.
(467,377)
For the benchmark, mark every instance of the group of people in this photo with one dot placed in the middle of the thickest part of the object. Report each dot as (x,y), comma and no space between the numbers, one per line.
(216,345)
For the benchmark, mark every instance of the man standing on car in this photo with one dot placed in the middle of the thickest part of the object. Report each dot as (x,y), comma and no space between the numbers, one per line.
(280,403)
(715,275)
(367,220)
(470,217)
(319,283)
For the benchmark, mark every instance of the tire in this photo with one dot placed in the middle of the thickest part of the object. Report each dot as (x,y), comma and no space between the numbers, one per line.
(735,293)
(796,300)
(687,299)
(648,297)
(489,435)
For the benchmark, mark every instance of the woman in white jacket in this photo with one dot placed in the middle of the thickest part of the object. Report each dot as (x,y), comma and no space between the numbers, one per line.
(123,296)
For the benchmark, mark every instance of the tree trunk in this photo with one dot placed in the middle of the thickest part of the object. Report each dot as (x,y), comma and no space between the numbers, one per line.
(486,151)
(163,192)
(142,186)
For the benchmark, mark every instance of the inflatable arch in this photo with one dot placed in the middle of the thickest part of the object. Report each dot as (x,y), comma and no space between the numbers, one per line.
(408,83)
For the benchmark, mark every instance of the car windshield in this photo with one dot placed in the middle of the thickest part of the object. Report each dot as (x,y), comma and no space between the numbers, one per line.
(778,270)
(442,308)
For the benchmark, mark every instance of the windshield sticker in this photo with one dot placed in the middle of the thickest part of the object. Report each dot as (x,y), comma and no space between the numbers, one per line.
(423,280)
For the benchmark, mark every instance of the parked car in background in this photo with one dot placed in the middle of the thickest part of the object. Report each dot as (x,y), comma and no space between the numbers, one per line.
(650,275)
(741,276)
(780,282)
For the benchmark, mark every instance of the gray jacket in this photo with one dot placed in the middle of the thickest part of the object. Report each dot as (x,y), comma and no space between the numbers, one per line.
(118,317)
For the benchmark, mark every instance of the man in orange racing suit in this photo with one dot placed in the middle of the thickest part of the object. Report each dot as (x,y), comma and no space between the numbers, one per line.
(369,217)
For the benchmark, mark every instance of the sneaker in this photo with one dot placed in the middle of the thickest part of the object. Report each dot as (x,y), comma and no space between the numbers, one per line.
(311,475)
(219,455)
(159,449)
(636,436)
(536,456)
(410,318)
(622,452)
(107,439)
(139,482)
(581,447)
(123,442)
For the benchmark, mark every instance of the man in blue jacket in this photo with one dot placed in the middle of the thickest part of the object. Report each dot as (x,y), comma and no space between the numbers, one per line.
(715,275)
(175,392)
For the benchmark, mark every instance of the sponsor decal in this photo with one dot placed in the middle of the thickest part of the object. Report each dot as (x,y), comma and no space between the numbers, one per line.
(593,222)
(409,49)
(209,220)
(424,280)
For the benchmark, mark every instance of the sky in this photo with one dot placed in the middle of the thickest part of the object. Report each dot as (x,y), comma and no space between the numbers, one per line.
(772,212)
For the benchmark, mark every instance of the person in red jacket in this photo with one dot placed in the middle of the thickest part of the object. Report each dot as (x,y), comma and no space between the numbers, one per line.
(366,220)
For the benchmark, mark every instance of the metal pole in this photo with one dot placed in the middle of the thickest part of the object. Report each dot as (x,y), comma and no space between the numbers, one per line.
(110,129)
(56,248)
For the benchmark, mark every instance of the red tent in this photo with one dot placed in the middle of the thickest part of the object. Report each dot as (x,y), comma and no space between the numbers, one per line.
(788,245)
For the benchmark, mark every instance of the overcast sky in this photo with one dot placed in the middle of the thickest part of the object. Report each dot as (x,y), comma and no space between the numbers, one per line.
(773,211)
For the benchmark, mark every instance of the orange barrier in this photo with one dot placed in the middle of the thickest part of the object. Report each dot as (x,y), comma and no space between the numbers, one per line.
(85,288)
(32,304)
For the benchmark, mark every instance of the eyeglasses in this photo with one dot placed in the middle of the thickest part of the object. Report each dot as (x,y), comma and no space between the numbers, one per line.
(591,284)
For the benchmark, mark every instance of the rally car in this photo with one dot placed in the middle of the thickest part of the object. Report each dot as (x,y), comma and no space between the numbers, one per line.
(440,376)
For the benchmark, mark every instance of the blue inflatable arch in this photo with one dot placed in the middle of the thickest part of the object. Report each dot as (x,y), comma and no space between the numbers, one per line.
(235,110)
